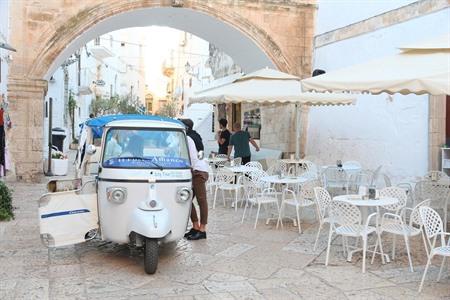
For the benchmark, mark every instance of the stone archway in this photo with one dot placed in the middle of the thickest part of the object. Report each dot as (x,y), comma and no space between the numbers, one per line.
(45,32)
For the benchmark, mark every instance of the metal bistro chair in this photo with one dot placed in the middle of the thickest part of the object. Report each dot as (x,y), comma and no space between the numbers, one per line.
(278,167)
(437,191)
(257,193)
(303,198)
(225,182)
(335,181)
(323,200)
(356,180)
(312,170)
(346,221)
(432,223)
(219,162)
(397,224)
(237,161)
(254,164)
(409,192)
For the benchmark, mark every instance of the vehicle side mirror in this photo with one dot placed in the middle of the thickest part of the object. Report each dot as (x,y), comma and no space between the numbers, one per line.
(201,154)
(91,149)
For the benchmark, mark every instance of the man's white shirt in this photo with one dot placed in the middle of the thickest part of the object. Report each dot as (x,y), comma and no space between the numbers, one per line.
(197,164)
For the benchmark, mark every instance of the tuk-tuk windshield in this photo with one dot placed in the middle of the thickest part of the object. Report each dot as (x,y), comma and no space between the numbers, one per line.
(145,148)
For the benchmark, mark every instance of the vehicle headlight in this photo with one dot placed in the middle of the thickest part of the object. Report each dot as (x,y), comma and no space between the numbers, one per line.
(184,194)
(116,195)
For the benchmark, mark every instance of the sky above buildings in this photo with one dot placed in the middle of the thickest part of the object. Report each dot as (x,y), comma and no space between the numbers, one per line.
(161,45)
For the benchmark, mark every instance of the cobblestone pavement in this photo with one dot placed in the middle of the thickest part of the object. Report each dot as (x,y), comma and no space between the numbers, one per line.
(235,262)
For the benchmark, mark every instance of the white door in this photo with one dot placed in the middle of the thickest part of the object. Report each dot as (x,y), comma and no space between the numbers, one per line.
(67,217)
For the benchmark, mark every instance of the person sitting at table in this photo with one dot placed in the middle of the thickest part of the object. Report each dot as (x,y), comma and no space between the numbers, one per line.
(240,141)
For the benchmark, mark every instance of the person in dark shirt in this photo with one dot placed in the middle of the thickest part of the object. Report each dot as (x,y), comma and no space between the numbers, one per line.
(193,134)
(223,137)
(240,141)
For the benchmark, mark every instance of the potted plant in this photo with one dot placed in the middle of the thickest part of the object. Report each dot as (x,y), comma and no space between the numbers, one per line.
(6,208)
(60,163)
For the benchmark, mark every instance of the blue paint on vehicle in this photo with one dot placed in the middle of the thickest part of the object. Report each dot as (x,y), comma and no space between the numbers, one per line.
(65,213)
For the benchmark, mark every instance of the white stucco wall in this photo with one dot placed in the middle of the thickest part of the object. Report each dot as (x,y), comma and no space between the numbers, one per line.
(379,130)
(333,14)
(4,34)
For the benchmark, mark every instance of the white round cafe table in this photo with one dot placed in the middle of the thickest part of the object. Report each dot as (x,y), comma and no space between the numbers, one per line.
(358,201)
(216,160)
(292,161)
(241,169)
(284,180)
(345,168)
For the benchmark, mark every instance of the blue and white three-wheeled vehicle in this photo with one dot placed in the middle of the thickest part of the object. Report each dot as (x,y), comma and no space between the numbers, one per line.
(133,186)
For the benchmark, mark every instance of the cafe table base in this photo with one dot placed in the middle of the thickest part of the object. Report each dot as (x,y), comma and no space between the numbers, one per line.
(364,204)
(355,248)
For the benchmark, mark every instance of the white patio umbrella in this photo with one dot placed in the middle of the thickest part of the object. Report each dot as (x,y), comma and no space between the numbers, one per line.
(268,86)
(420,68)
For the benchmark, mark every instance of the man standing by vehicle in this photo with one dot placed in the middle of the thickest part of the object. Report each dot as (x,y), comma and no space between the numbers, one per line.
(223,136)
(199,179)
(240,140)
(190,132)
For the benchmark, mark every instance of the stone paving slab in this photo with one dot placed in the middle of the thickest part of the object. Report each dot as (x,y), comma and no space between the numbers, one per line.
(235,262)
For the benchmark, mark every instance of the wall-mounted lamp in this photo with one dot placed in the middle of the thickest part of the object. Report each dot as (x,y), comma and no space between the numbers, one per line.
(177,3)
(7,47)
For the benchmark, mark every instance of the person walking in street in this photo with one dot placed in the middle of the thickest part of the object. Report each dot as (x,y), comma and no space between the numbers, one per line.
(223,137)
(240,141)
(199,179)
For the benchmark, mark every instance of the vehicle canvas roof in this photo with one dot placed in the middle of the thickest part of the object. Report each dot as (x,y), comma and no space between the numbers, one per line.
(97,124)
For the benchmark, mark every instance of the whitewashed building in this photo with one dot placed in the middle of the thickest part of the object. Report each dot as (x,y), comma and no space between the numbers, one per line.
(110,65)
(5,57)
(392,131)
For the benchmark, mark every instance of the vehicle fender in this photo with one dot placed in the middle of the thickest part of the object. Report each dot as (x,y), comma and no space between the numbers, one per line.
(150,223)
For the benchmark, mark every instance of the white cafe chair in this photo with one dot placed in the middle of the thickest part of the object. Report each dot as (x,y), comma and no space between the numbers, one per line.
(299,200)
(323,200)
(433,226)
(258,193)
(225,182)
(397,224)
(345,220)
(254,164)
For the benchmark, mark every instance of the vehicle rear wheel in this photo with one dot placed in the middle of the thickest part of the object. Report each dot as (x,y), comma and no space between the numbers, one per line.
(151,256)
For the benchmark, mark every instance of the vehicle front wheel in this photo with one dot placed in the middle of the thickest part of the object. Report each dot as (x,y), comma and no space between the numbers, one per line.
(151,256)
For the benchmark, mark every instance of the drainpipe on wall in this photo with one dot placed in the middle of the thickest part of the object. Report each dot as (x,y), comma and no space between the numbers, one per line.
(50,121)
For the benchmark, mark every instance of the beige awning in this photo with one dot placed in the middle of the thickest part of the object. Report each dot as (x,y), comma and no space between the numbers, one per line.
(268,86)
(422,68)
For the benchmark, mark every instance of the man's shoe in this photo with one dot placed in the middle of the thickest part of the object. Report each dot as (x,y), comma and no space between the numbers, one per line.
(190,232)
(197,235)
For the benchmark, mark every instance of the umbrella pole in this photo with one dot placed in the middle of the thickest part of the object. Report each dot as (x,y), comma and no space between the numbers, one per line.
(297,131)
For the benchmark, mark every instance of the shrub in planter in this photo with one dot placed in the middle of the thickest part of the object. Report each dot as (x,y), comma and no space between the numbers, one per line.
(6,208)
(58,155)
(60,163)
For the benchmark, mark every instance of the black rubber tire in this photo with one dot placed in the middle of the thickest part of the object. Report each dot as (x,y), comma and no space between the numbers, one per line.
(151,256)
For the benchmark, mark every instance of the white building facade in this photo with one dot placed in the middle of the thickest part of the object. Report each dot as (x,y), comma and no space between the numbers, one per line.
(4,38)
(392,131)
(112,65)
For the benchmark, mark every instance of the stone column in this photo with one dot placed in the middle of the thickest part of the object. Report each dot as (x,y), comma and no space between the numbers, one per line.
(25,138)
(436,131)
